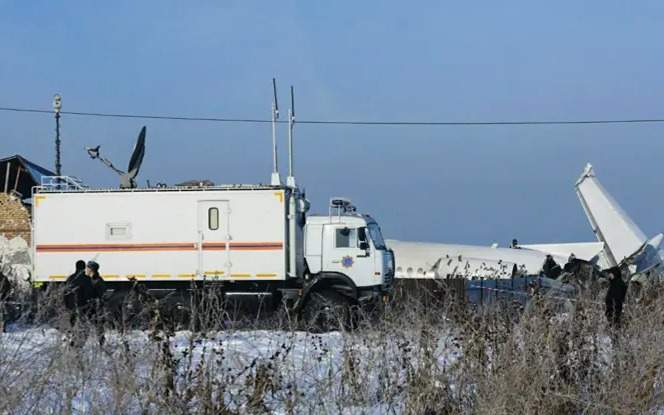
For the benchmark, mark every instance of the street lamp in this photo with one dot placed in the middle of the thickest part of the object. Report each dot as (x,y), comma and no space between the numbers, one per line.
(57,106)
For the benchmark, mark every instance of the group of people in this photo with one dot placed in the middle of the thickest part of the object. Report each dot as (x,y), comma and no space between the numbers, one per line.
(615,295)
(83,297)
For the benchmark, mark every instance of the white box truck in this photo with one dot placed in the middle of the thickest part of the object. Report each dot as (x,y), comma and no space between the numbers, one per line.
(255,240)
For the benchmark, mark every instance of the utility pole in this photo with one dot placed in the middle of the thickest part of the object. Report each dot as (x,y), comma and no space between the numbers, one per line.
(275,180)
(290,181)
(57,106)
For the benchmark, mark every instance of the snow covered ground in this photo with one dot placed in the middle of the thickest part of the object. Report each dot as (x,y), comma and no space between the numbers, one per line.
(254,370)
(539,364)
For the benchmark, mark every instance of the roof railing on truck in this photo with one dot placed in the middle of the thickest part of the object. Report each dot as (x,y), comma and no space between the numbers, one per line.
(61,183)
(64,184)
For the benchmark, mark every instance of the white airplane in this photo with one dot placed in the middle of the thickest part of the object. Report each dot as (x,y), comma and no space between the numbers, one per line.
(620,243)
(625,245)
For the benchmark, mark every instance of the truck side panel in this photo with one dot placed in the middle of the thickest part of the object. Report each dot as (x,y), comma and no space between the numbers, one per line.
(157,236)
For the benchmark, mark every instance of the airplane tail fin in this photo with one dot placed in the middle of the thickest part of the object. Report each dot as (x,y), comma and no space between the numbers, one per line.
(621,236)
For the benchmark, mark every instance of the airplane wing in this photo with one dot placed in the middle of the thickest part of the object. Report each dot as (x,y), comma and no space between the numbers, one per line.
(611,225)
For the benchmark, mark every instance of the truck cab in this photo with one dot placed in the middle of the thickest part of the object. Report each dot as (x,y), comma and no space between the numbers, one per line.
(347,246)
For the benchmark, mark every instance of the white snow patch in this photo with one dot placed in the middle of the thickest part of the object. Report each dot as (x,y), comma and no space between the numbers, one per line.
(313,366)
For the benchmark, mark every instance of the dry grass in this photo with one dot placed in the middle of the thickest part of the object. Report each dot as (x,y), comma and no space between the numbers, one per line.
(422,357)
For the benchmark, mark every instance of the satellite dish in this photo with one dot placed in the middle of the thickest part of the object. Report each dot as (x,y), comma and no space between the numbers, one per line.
(136,158)
(93,152)
(127,179)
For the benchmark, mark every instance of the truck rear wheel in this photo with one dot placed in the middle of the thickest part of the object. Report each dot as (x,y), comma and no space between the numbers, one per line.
(326,310)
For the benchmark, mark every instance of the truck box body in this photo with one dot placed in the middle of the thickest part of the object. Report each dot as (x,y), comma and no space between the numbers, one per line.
(238,233)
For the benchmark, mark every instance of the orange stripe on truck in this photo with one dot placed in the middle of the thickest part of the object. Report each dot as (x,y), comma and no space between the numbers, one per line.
(242,246)
(155,247)
(116,247)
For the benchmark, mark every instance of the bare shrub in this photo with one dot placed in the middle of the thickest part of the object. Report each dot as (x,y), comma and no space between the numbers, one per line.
(421,355)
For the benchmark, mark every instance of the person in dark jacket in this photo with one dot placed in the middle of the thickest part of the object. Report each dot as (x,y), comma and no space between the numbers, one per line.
(78,290)
(551,269)
(5,286)
(73,291)
(96,311)
(572,266)
(615,296)
(92,271)
(5,291)
(77,296)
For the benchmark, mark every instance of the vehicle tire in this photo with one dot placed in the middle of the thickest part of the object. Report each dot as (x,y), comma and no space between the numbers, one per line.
(326,310)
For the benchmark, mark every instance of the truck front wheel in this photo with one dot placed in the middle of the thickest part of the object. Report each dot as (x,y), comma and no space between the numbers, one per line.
(326,310)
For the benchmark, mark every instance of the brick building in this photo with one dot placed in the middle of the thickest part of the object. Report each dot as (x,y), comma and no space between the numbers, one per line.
(17,178)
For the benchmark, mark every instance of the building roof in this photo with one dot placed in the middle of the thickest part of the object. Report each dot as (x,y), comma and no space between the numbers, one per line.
(29,175)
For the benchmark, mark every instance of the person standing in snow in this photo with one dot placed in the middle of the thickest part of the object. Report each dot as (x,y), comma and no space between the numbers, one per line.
(5,291)
(75,288)
(92,271)
(78,292)
(615,296)
(5,286)
(96,311)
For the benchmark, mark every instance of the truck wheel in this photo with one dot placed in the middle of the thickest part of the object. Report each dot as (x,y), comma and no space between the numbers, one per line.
(326,310)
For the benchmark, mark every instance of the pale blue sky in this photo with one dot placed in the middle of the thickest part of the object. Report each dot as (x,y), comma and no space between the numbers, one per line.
(447,61)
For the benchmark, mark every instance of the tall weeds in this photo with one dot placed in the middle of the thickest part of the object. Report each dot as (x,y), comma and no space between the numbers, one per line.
(423,355)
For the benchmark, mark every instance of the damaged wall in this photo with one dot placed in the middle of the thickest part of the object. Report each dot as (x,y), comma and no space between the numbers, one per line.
(14,218)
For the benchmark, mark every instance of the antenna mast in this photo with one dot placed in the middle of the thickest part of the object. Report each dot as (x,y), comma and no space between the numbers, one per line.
(57,107)
(276,180)
(291,123)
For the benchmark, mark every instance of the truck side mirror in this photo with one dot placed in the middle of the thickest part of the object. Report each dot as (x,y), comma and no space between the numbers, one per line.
(364,245)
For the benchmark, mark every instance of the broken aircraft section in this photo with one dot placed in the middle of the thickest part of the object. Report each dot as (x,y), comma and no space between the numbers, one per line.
(620,242)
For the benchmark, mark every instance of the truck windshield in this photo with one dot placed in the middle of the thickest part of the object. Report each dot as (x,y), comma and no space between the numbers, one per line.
(376,236)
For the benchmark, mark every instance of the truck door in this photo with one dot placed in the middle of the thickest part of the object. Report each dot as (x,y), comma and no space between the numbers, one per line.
(347,254)
(214,259)
(313,248)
